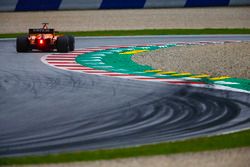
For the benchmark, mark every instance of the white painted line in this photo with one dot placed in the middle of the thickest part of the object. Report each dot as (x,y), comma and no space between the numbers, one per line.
(226,83)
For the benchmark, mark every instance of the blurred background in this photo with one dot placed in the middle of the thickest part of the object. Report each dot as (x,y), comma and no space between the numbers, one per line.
(89,15)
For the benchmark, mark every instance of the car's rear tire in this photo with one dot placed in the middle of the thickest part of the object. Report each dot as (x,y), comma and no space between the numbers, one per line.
(62,44)
(71,43)
(22,44)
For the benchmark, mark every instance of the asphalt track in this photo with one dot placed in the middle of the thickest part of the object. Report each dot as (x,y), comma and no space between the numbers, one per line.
(48,110)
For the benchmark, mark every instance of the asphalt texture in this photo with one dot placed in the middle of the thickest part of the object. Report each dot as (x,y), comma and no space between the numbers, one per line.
(47,110)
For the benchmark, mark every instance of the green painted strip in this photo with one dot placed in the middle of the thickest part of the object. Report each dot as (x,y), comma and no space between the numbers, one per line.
(119,60)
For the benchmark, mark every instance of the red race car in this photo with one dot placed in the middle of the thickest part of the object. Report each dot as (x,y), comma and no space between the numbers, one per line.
(45,39)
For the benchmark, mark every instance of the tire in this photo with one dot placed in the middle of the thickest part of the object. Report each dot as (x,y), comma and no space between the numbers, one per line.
(62,44)
(22,44)
(71,43)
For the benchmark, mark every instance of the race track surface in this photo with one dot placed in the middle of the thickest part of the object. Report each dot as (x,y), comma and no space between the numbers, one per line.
(47,110)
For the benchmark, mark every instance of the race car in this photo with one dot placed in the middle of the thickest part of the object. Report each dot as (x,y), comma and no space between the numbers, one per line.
(45,39)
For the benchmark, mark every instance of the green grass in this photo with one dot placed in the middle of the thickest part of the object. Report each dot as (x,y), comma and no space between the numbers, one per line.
(239,139)
(148,32)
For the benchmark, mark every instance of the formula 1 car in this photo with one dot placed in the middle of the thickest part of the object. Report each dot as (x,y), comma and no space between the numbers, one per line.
(45,39)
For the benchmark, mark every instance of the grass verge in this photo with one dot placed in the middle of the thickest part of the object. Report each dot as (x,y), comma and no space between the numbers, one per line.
(239,139)
(147,32)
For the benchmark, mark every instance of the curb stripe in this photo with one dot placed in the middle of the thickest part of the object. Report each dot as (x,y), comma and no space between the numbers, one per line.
(158,79)
(62,62)
(67,65)
(57,59)
(79,68)
(124,75)
(185,82)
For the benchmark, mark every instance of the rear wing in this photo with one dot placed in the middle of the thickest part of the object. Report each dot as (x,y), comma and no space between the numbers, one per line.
(41,31)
